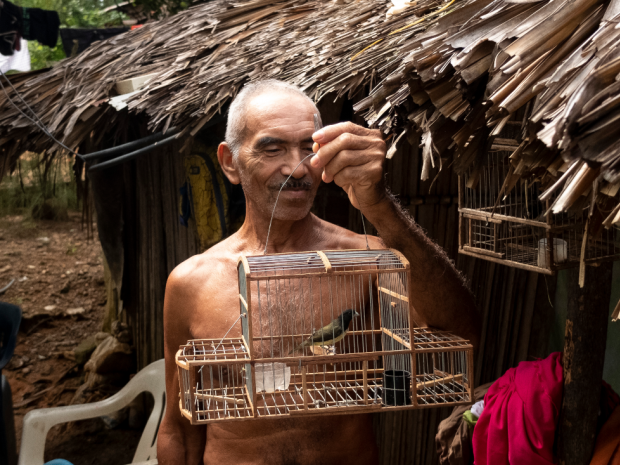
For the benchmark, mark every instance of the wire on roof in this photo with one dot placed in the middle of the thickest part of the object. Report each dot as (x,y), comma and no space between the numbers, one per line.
(38,121)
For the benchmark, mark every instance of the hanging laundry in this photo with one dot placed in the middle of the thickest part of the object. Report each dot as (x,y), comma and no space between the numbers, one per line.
(521,409)
(40,25)
(29,23)
(207,195)
(10,27)
(19,61)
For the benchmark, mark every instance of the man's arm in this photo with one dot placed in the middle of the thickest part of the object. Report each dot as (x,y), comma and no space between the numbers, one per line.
(353,157)
(178,442)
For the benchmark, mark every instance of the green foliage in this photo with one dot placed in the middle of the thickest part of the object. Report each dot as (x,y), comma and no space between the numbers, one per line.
(37,183)
(42,56)
(162,8)
(79,13)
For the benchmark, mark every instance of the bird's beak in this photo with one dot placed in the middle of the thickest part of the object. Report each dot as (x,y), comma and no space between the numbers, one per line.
(355,314)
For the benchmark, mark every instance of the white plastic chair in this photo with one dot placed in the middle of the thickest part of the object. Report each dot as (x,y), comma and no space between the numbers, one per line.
(37,423)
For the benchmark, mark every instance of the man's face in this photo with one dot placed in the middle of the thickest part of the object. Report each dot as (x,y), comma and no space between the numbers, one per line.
(278,135)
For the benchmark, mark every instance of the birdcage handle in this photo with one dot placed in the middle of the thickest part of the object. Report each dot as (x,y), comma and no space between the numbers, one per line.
(317,125)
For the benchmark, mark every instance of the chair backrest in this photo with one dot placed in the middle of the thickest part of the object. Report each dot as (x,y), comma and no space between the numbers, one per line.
(38,422)
(10,317)
(153,381)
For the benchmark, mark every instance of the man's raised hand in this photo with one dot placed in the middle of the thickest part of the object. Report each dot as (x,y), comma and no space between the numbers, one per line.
(352,157)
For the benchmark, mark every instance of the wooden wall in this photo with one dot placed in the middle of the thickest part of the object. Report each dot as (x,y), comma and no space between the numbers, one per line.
(514,304)
(155,243)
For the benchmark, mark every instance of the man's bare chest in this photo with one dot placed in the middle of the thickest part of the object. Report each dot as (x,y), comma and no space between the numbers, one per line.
(281,308)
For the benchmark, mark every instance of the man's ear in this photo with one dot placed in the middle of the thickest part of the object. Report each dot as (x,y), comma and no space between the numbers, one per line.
(229,167)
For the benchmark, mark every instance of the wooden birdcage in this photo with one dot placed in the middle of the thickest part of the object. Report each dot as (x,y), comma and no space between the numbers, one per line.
(502,219)
(272,369)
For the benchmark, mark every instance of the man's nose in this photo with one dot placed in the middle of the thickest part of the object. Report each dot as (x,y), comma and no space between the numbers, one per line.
(295,158)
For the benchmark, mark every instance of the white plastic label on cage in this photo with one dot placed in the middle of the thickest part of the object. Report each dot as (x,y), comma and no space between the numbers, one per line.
(560,251)
(272,377)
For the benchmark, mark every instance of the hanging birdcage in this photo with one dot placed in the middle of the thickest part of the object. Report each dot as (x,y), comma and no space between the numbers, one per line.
(323,333)
(503,219)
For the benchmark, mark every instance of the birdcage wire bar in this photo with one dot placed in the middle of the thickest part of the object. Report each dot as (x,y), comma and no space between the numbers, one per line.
(268,368)
(512,228)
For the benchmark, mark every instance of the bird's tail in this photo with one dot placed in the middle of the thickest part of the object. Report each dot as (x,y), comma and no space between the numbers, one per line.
(299,347)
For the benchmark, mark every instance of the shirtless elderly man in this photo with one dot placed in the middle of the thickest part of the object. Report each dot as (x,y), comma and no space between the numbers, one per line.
(270,131)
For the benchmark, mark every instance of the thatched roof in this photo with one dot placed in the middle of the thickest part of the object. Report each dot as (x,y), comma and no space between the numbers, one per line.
(201,58)
(554,64)
(457,72)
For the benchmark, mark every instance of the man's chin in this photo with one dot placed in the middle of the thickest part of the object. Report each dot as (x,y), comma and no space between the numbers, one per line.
(291,213)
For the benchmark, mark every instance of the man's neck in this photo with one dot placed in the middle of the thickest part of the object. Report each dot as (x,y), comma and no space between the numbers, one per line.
(284,236)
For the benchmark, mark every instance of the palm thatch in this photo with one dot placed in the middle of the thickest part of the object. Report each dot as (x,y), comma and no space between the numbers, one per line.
(554,64)
(200,58)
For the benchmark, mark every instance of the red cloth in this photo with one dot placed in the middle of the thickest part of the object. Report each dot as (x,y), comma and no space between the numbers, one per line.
(517,425)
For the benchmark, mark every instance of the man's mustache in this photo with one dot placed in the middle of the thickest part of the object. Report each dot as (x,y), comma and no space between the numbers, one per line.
(292,184)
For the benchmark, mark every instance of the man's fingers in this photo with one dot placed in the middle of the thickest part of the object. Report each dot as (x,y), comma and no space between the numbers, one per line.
(361,186)
(329,133)
(356,176)
(345,141)
(344,159)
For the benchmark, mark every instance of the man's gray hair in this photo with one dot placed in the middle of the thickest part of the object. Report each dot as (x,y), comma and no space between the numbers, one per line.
(235,126)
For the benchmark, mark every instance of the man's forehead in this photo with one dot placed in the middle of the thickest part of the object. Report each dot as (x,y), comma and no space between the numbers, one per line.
(277,112)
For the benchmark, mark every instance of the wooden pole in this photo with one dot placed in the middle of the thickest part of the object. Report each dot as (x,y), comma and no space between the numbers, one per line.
(584,353)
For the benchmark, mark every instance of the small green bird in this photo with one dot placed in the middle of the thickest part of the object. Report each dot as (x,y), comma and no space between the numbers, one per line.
(330,334)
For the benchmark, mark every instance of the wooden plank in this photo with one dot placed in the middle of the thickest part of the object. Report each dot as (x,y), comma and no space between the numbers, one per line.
(488,216)
(484,252)
(328,265)
(337,410)
(482,217)
(330,359)
(446,379)
(363,332)
(394,294)
(407,344)
(252,374)
(365,380)
(228,400)
(184,412)
(304,387)
(333,273)
(511,263)
(133,84)
(192,383)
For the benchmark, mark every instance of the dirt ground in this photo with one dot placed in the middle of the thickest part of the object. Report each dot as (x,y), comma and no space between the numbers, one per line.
(59,284)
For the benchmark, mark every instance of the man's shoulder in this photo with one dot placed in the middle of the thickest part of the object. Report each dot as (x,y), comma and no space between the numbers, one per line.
(342,238)
(200,269)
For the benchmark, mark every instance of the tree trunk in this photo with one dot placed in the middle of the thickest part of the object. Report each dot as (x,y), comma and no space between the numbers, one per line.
(584,354)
